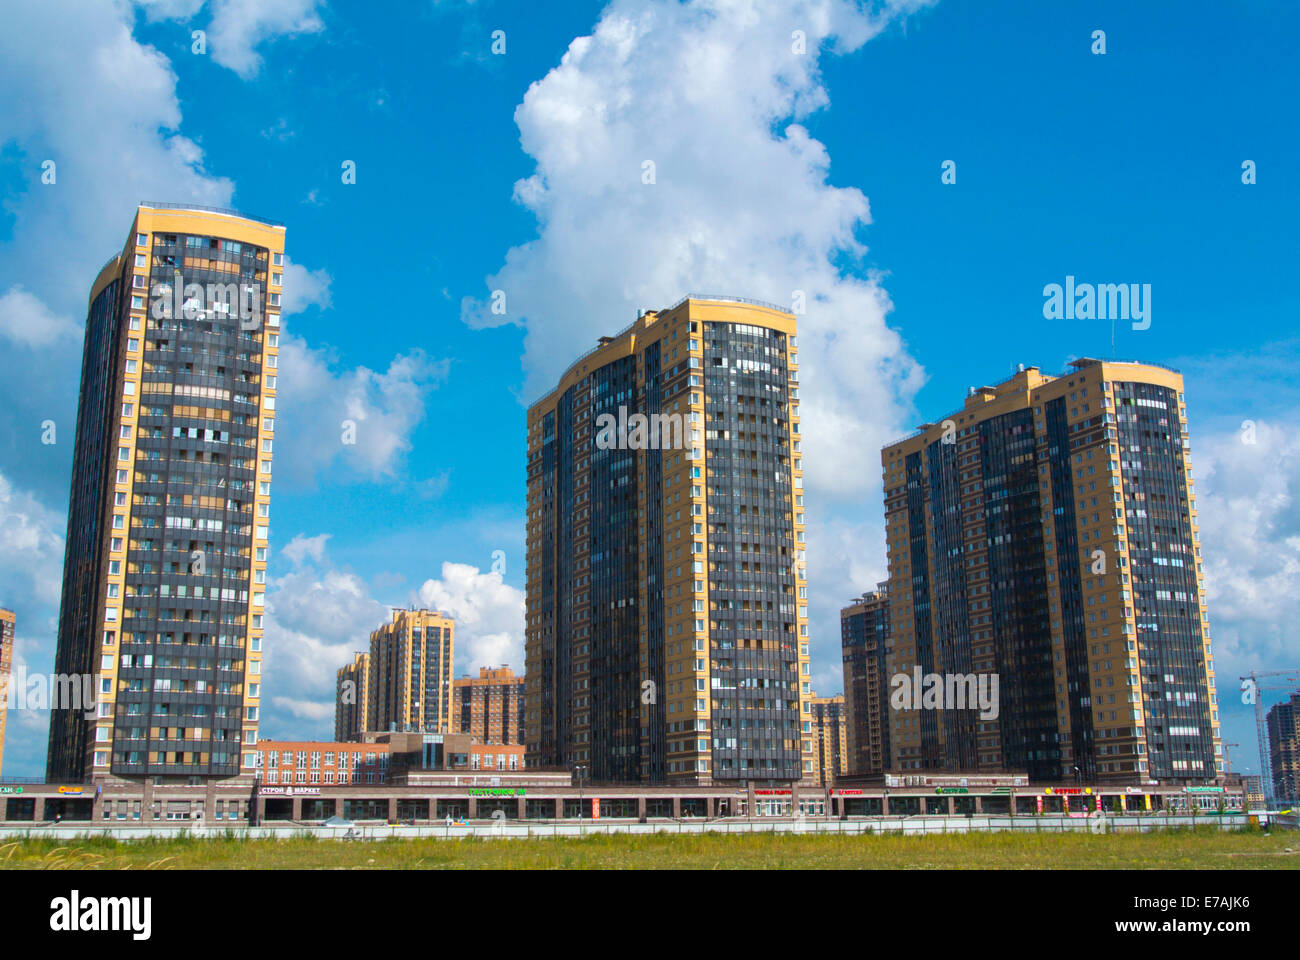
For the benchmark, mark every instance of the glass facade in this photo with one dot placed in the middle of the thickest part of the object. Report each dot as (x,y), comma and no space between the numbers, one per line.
(753,646)
(179,708)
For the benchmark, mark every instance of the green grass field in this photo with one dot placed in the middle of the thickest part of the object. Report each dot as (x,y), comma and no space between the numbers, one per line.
(1173,849)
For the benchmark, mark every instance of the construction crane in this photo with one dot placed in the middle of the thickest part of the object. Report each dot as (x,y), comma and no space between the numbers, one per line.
(1227,757)
(1251,688)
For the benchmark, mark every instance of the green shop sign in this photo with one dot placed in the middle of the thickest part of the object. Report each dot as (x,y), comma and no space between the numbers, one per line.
(4,790)
(498,791)
(951,790)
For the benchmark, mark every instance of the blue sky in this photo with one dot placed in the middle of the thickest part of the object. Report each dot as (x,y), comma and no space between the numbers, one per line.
(775,171)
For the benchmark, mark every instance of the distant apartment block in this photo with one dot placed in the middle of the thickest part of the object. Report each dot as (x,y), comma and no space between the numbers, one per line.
(7,623)
(164,573)
(490,707)
(864,642)
(1046,532)
(410,673)
(351,697)
(666,636)
(829,738)
(1253,787)
(1283,720)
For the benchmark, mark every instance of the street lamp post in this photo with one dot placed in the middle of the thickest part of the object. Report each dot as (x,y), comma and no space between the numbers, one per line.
(580,771)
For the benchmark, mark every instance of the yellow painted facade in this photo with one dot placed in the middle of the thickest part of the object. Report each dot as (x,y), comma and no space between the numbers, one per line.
(410,673)
(7,624)
(830,738)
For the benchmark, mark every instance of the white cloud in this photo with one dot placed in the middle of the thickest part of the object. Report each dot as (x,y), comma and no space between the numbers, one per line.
(317,712)
(741,204)
(489,615)
(84,93)
(302,548)
(169,9)
(305,288)
(31,574)
(713,93)
(383,408)
(240,26)
(26,320)
(1248,496)
(31,562)
(317,617)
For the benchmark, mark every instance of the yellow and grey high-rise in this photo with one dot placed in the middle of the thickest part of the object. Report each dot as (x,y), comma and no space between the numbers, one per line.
(351,699)
(864,645)
(7,622)
(1047,533)
(830,738)
(169,514)
(410,673)
(666,636)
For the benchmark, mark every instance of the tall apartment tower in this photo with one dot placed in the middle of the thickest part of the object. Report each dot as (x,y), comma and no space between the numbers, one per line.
(666,635)
(829,738)
(352,696)
(490,707)
(7,621)
(1047,533)
(1283,722)
(168,520)
(864,644)
(410,661)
